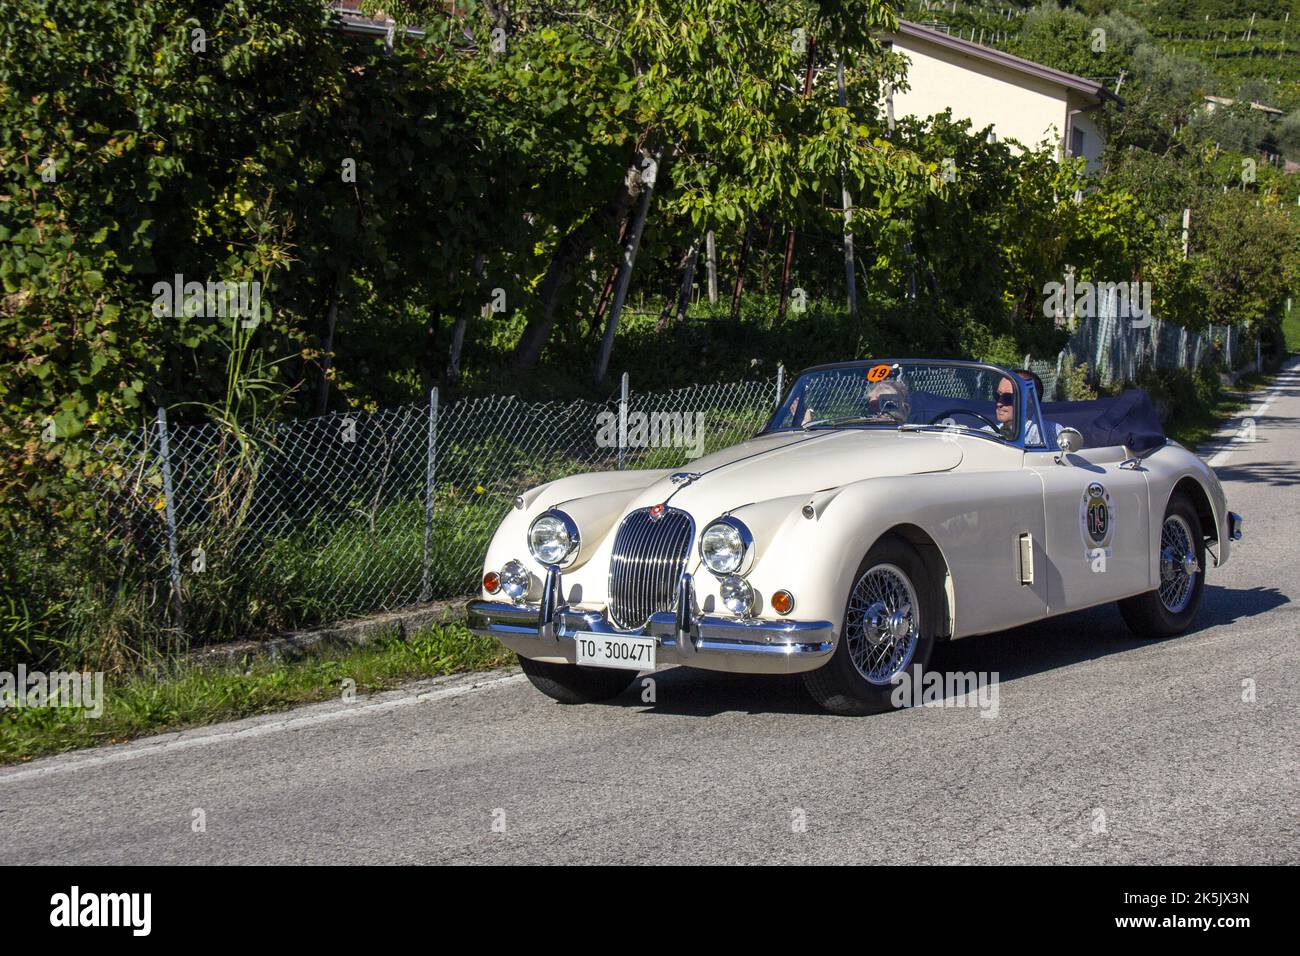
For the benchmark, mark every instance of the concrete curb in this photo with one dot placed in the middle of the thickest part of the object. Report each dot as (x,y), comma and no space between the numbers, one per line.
(354,633)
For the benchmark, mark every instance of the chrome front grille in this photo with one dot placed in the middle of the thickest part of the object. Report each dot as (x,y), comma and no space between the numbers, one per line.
(648,560)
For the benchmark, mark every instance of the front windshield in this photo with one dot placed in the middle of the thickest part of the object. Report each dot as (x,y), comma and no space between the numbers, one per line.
(978,398)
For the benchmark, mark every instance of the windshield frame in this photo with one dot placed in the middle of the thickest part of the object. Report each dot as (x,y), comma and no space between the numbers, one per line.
(1024,411)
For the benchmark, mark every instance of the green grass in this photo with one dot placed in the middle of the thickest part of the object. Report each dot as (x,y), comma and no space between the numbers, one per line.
(1196,422)
(189,695)
(1291,330)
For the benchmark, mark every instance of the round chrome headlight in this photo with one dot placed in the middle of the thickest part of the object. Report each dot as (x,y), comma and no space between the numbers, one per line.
(514,580)
(726,546)
(553,538)
(737,596)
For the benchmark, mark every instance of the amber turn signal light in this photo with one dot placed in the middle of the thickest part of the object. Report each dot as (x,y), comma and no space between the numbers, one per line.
(492,582)
(783,602)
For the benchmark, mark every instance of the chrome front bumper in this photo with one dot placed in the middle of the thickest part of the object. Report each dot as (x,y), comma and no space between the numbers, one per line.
(546,630)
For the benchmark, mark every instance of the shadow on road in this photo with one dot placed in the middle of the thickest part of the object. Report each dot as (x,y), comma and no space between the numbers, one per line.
(686,692)
(1021,652)
(1228,605)
(1276,473)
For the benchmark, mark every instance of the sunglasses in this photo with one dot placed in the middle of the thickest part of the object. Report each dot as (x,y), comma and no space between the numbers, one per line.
(1006,398)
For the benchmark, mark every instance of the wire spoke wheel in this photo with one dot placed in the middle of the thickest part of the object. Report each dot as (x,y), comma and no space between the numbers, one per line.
(881,625)
(1178,565)
(1170,607)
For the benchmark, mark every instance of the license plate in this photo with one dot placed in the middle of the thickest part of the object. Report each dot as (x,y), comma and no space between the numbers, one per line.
(615,650)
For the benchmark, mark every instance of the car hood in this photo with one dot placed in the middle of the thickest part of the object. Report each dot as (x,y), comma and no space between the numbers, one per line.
(795,463)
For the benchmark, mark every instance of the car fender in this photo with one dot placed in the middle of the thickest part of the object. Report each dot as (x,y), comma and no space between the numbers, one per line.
(1171,468)
(972,520)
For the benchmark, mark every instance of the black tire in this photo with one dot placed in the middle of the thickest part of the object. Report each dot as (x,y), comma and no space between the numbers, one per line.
(838,685)
(571,684)
(1146,615)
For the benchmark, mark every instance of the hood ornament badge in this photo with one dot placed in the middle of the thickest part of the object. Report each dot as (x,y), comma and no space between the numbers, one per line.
(683,478)
(657,511)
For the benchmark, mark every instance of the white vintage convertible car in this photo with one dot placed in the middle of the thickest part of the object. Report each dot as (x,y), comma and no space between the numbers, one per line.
(887,505)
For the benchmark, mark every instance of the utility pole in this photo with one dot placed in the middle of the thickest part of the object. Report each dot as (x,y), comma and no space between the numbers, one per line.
(711,264)
(788,263)
(850,280)
(629,259)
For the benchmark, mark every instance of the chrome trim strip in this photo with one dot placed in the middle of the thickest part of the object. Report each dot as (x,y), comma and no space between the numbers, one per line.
(688,638)
(685,631)
(549,607)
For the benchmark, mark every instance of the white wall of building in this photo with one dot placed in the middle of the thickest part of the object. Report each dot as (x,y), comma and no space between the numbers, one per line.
(1019,106)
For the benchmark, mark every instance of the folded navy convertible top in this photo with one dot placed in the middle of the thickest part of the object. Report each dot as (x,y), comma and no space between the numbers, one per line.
(1127,419)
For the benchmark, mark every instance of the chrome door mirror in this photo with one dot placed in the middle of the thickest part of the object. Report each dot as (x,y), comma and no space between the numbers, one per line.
(1069,440)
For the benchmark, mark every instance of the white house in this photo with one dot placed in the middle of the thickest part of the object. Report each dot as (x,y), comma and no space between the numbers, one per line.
(1020,99)
(1213,103)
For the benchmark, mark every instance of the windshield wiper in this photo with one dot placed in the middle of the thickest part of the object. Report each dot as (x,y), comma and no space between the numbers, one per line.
(845,421)
(922,426)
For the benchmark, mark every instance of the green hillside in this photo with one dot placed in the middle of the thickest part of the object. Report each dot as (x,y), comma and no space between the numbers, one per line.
(1248,50)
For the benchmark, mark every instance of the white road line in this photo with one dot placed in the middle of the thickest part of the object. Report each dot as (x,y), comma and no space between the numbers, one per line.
(1284,379)
(172,743)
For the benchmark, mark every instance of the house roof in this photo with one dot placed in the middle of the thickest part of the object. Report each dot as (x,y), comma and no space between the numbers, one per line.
(1090,88)
(1254,105)
(352,20)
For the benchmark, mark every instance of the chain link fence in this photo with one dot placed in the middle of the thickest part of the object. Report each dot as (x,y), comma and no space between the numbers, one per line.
(1116,349)
(316,520)
(311,521)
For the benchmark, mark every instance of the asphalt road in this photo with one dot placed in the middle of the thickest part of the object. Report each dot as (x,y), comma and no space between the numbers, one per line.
(1102,750)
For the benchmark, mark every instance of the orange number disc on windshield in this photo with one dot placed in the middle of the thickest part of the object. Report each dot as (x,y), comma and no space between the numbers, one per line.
(878,373)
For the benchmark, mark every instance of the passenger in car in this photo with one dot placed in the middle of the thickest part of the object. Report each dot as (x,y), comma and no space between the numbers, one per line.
(891,397)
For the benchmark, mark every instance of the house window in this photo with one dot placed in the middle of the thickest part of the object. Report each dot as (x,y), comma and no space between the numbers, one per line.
(1076,142)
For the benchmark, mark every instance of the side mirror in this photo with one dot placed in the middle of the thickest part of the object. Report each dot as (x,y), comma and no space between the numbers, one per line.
(1069,440)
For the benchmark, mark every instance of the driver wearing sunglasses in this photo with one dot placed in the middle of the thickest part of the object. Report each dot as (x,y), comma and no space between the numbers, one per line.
(1004,407)
(1005,410)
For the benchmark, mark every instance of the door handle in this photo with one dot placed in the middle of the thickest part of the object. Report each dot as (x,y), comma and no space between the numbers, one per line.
(1026,547)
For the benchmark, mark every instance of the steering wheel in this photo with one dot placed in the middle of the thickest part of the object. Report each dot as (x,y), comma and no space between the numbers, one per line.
(966,411)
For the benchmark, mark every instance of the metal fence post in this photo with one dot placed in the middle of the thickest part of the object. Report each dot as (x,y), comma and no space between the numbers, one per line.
(173,552)
(430,463)
(622,421)
(780,382)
